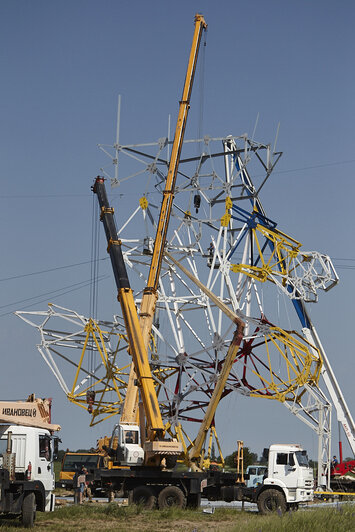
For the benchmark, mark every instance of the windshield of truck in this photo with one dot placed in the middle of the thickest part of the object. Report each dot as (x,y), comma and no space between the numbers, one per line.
(131,436)
(74,462)
(44,446)
(302,458)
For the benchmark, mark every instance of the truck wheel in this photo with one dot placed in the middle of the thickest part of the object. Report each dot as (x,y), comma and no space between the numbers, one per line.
(293,507)
(29,510)
(270,501)
(171,496)
(144,496)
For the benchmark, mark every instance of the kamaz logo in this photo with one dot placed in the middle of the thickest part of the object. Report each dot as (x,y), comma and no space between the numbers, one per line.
(20,412)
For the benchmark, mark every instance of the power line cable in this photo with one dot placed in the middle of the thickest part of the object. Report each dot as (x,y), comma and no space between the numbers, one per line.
(82,284)
(74,265)
(50,270)
(46,300)
(37,196)
(312,167)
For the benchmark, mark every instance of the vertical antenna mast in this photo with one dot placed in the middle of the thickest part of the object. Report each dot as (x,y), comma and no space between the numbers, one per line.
(117,136)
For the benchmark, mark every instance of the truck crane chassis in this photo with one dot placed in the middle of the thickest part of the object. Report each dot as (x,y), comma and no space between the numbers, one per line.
(289,482)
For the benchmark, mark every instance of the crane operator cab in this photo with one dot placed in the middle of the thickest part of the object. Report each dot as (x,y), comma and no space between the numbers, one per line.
(125,445)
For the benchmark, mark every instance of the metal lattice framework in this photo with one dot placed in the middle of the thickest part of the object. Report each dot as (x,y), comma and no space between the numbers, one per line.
(191,335)
(309,271)
(95,351)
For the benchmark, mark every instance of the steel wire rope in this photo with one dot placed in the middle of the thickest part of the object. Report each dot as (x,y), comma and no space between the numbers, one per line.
(94,273)
(78,286)
(313,167)
(48,270)
(100,259)
(39,196)
(201,94)
(284,299)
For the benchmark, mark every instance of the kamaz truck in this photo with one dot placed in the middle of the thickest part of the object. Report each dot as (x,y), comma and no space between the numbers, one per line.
(27,450)
(288,481)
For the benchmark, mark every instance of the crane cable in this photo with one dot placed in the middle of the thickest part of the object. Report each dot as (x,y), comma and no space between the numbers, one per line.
(201,92)
(94,274)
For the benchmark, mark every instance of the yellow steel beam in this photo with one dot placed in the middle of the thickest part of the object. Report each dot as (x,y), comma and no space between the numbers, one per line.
(195,451)
(351,494)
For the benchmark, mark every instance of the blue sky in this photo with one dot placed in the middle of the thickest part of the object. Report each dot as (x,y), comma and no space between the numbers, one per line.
(63,65)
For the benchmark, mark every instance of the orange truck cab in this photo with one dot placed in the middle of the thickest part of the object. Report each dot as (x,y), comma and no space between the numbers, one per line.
(73,462)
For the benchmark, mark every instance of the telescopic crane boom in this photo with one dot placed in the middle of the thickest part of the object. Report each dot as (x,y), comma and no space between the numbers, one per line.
(150,294)
(155,448)
(125,297)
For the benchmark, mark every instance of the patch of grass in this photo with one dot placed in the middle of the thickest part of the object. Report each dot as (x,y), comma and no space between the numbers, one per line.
(110,517)
(340,519)
(96,512)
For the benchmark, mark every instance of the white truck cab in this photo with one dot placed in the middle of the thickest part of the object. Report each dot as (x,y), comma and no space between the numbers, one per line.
(129,449)
(27,449)
(289,479)
(33,455)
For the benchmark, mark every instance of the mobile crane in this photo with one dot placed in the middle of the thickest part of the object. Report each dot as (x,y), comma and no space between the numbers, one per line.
(138,331)
(126,437)
(290,479)
(150,485)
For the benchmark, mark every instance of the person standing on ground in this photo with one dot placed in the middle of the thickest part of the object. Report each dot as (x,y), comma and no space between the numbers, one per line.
(79,485)
(75,487)
(88,484)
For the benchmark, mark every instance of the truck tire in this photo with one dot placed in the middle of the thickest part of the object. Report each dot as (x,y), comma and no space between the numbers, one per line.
(171,496)
(271,500)
(293,507)
(144,496)
(29,510)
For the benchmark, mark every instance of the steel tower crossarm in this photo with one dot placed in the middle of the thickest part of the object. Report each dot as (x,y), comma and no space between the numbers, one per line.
(150,294)
(125,296)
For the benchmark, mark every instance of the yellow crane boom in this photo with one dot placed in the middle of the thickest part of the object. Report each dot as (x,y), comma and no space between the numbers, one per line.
(150,294)
(130,316)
